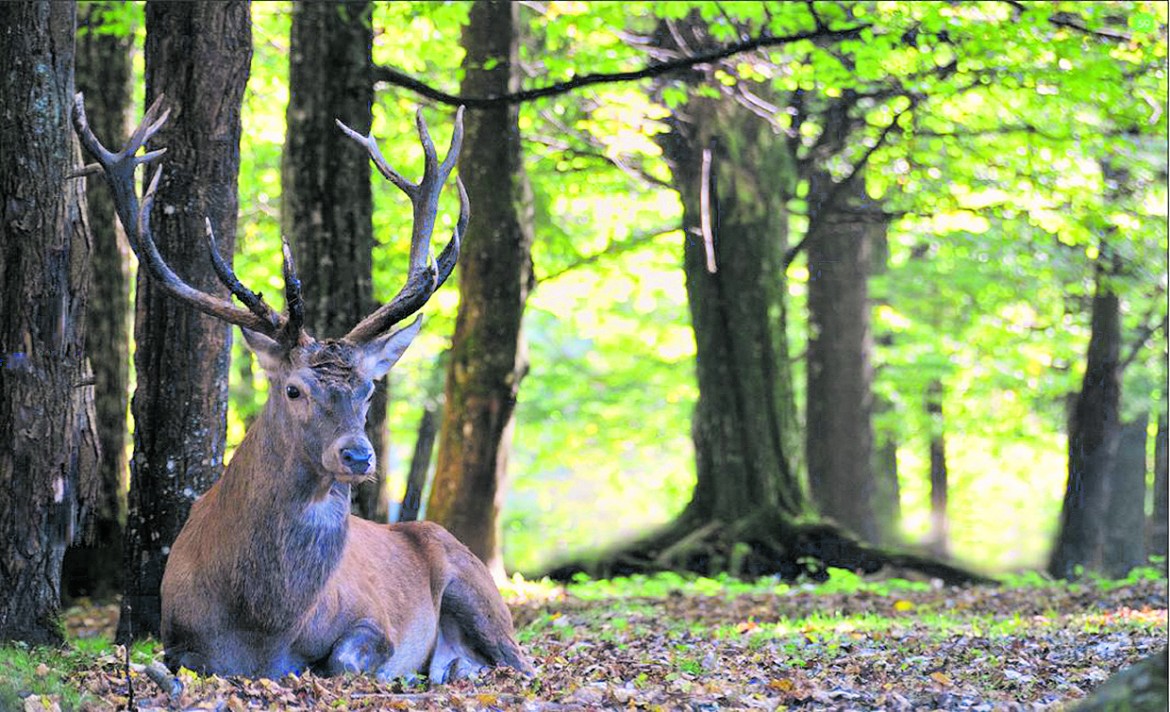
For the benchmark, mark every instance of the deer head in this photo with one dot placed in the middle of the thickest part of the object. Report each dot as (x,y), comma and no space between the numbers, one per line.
(320,390)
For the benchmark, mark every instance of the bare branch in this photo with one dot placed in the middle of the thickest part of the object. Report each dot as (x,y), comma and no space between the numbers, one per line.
(397,78)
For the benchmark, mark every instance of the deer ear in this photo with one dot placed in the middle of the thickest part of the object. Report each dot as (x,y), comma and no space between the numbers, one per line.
(269,353)
(379,355)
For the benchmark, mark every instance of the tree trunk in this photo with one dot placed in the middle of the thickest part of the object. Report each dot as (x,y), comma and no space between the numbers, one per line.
(416,480)
(327,212)
(887,507)
(1125,519)
(939,523)
(1159,529)
(488,357)
(93,567)
(741,426)
(198,55)
(839,427)
(1094,431)
(48,443)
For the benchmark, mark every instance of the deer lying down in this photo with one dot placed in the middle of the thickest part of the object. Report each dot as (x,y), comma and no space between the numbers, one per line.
(271,574)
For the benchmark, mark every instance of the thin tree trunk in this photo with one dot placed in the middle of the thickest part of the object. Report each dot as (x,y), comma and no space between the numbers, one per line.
(198,55)
(1094,431)
(328,211)
(839,427)
(939,524)
(48,443)
(488,357)
(93,567)
(1125,519)
(887,506)
(420,463)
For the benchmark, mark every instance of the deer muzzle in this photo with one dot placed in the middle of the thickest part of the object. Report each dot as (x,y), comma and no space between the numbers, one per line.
(351,459)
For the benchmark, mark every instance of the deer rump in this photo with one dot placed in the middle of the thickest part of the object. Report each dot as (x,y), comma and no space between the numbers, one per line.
(271,574)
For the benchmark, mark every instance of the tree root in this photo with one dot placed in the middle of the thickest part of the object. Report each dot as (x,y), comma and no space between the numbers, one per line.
(760,544)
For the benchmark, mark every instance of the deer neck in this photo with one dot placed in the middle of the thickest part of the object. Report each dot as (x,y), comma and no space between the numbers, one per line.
(292,525)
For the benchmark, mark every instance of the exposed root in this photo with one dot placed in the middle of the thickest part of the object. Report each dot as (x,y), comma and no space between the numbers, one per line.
(762,544)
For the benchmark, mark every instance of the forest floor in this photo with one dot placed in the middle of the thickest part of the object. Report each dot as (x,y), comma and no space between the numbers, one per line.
(674,644)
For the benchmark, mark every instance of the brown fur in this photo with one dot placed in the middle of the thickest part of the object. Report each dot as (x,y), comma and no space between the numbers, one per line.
(272,575)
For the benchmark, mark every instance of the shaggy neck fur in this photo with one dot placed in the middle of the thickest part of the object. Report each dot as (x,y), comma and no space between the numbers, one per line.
(295,520)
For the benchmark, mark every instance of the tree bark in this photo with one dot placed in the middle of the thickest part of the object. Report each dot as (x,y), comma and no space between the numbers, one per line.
(93,567)
(488,359)
(839,422)
(1094,431)
(198,55)
(327,210)
(48,443)
(1125,518)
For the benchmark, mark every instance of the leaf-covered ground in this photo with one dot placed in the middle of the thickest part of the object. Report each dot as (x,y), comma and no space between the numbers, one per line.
(706,645)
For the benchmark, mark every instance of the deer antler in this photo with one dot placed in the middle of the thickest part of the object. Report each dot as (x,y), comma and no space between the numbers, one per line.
(425,274)
(118,169)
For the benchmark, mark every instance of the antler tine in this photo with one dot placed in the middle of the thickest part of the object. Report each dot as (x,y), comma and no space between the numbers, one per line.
(118,169)
(294,301)
(367,142)
(425,274)
(254,301)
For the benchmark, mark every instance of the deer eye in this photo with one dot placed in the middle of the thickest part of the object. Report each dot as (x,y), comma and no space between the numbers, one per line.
(292,392)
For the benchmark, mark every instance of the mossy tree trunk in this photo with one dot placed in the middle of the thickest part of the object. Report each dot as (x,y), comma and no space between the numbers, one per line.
(744,425)
(48,443)
(198,55)
(487,358)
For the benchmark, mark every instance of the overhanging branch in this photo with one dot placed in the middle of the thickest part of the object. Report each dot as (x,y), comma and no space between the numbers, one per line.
(394,77)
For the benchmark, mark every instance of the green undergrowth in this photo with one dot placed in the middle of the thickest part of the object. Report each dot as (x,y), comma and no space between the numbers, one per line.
(47,674)
(672,583)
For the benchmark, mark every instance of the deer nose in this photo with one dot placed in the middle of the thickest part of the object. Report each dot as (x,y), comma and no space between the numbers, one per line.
(357,458)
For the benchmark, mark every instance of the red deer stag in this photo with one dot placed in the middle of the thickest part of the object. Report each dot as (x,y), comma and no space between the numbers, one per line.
(271,574)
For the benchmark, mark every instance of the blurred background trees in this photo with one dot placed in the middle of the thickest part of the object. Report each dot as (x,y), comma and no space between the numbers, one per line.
(898,268)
